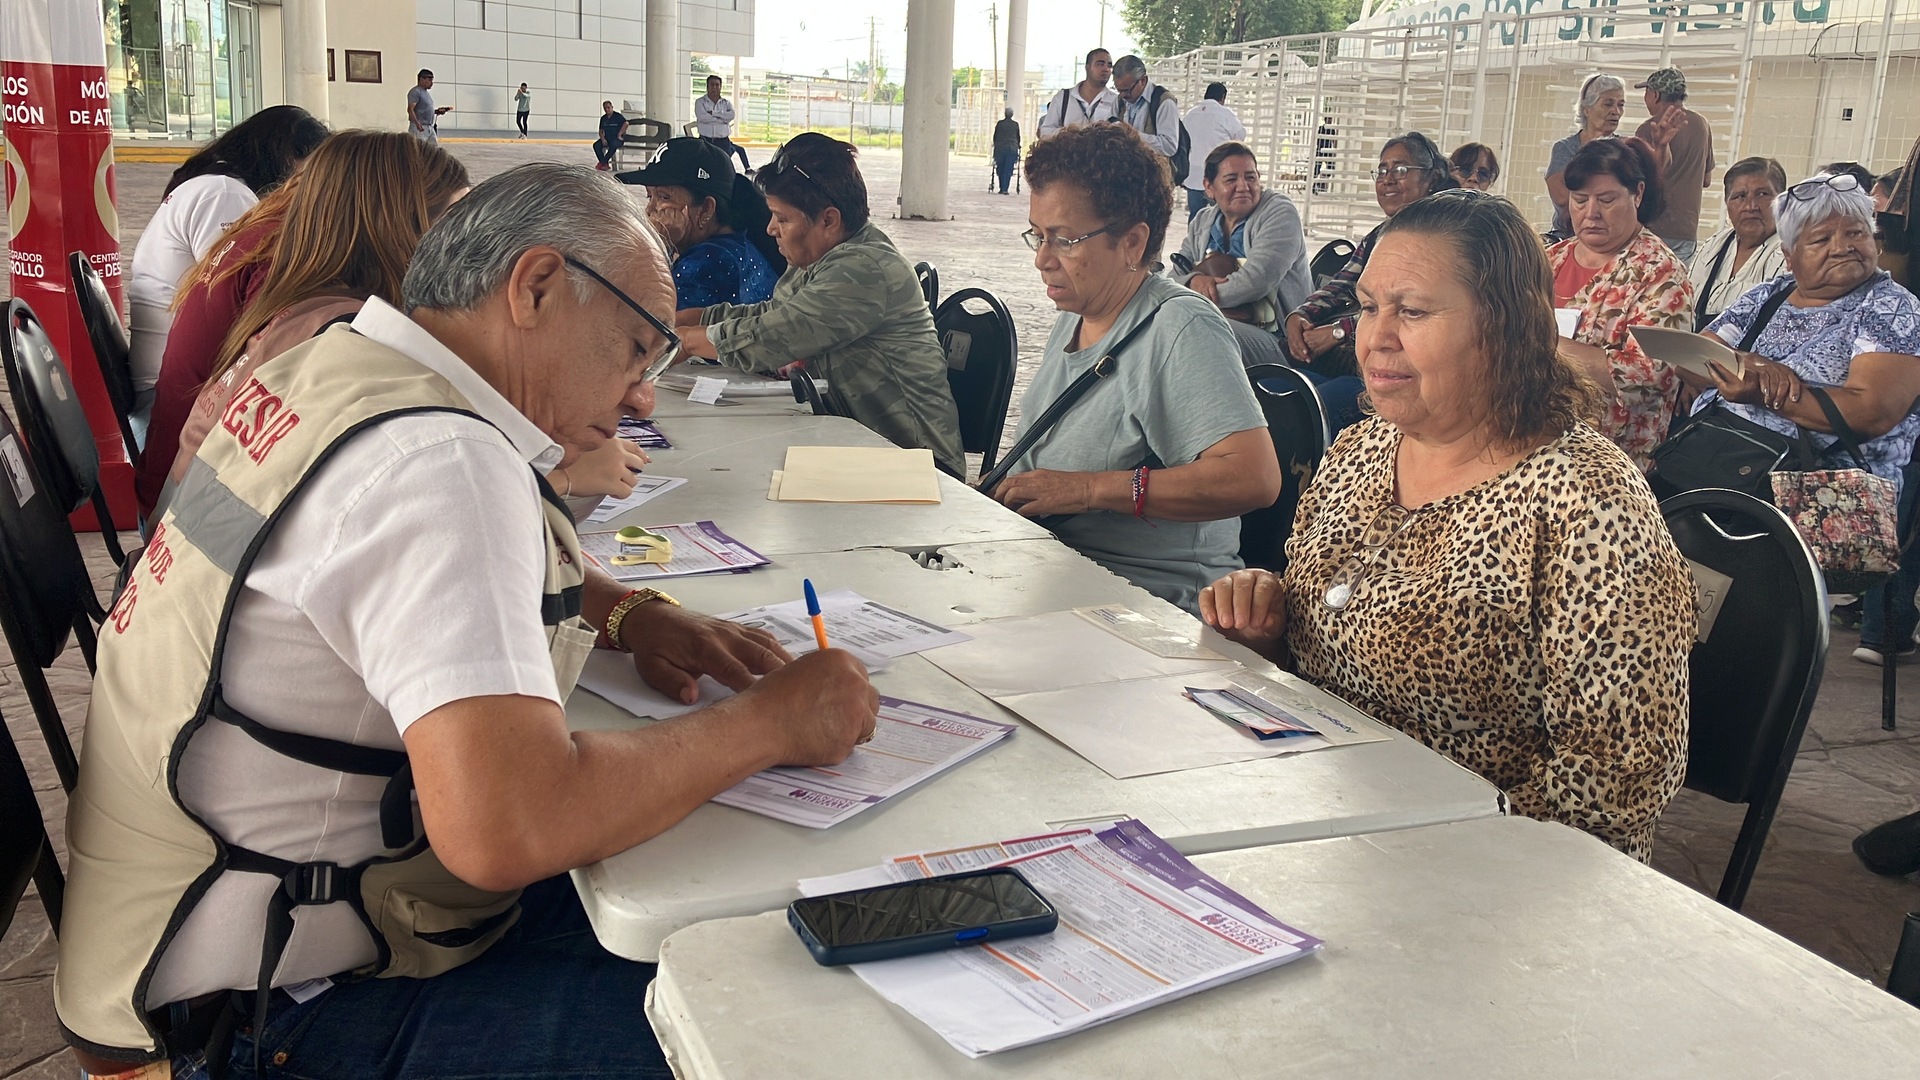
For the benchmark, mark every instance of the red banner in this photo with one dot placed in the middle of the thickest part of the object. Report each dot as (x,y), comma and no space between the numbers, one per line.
(60,194)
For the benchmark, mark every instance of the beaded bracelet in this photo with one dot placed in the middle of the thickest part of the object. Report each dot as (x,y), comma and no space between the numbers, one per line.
(1140,492)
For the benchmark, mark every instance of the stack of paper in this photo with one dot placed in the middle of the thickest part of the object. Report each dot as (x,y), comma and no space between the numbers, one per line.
(856,474)
(699,547)
(646,487)
(875,633)
(1688,351)
(911,743)
(1139,925)
(1087,682)
(644,434)
(734,384)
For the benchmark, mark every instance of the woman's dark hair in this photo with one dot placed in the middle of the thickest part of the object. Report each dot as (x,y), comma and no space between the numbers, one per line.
(812,172)
(1127,181)
(1756,166)
(1629,161)
(1466,157)
(1219,154)
(1854,169)
(259,151)
(746,213)
(1531,391)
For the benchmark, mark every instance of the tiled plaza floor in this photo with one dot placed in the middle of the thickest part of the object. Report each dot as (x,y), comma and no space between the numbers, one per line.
(1809,888)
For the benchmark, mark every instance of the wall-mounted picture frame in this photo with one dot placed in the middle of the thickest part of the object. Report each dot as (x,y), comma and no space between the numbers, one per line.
(363,66)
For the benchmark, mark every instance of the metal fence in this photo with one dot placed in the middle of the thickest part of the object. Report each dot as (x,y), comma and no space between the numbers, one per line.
(1803,81)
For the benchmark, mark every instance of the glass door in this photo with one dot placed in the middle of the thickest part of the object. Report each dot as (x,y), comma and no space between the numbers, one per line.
(243,45)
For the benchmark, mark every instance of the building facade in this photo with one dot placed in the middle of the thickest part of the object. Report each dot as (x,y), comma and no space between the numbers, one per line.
(190,69)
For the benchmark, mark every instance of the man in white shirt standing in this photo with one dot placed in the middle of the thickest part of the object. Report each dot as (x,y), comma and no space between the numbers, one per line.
(1153,112)
(713,119)
(1209,124)
(1088,102)
(349,644)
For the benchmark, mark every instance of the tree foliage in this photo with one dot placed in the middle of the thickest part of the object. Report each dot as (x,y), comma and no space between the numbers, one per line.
(1171,27)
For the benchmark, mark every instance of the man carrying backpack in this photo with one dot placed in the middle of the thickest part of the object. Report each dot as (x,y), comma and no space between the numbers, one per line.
(1153,112)
(1087,102)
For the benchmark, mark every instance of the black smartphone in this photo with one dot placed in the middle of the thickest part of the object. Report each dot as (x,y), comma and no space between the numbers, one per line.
(920,916)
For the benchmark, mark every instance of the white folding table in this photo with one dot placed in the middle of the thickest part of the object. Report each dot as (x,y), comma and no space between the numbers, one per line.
(1496,948)
(728,461)
(722,861)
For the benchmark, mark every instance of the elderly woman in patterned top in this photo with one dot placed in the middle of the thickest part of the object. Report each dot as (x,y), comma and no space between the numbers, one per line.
(1846,326)
(1617,275)
(1476,565)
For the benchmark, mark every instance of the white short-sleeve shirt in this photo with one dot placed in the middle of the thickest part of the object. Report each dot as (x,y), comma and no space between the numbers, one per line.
(180,234)
(407,576)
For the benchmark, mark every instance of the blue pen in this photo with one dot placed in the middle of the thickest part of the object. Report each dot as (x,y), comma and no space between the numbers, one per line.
(813,610)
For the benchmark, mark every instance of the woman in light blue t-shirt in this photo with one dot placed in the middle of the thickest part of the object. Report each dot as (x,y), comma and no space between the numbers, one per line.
(1149,472)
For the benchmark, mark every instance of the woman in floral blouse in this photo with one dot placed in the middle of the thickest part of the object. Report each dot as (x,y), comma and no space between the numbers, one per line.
(1618,275)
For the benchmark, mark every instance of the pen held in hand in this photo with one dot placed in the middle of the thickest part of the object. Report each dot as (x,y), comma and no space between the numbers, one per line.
(813,612)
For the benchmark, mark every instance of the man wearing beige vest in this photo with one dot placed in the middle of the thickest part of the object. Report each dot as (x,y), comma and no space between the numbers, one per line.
(353,630)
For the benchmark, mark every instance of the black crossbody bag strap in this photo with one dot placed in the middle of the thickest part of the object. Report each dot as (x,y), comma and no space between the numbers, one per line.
(1101,369)
(1762,317)
(1706,288)
(1849,438)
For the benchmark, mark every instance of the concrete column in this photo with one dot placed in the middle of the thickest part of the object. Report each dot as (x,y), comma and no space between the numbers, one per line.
(665,87)
(1017,62)
(928,115)
(303,35)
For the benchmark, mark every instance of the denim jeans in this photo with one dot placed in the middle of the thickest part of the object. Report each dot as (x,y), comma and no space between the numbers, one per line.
(1873,623)
(545,1001)
(1340,396)
(1003,166)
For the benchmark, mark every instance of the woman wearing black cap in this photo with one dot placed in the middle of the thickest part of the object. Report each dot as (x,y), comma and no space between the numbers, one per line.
(714,222)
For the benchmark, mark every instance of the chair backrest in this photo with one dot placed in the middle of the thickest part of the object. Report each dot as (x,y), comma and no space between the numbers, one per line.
(54,422)
(806,392)
(1755,673)
(105,331)
(1327,262)
(929,276)
(982,348)
(43,578)
(23,832)
(1298,423)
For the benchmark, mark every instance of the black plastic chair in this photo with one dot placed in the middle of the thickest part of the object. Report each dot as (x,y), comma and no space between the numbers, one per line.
(805,392)
(1298,423)
(54,422)
(45,593)
(1753,679)
(982,350)
(26,853)
(929,276)
(108,336)
(1329,259)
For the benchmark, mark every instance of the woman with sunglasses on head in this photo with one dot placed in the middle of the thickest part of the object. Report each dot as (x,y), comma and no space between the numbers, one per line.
(1603,101)
(1148,473)
(1476,565)
(1845,326)
(1616,275)
(1474,166)
(849,306)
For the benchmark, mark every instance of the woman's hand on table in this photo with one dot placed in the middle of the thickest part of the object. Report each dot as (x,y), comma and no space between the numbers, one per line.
(1247,606)
(1760,382)
(612,468)
(1043,492)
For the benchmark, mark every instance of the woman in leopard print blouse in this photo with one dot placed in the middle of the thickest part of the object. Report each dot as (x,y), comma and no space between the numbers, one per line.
(1474,564)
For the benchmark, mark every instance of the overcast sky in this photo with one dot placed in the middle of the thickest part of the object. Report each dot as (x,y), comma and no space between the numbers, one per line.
(799,36)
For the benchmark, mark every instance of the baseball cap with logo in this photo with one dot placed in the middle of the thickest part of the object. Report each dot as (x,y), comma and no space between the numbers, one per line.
(1666,82)
(694,164)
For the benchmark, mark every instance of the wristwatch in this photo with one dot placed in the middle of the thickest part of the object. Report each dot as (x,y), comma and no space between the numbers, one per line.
(624,607)
(1339,332)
